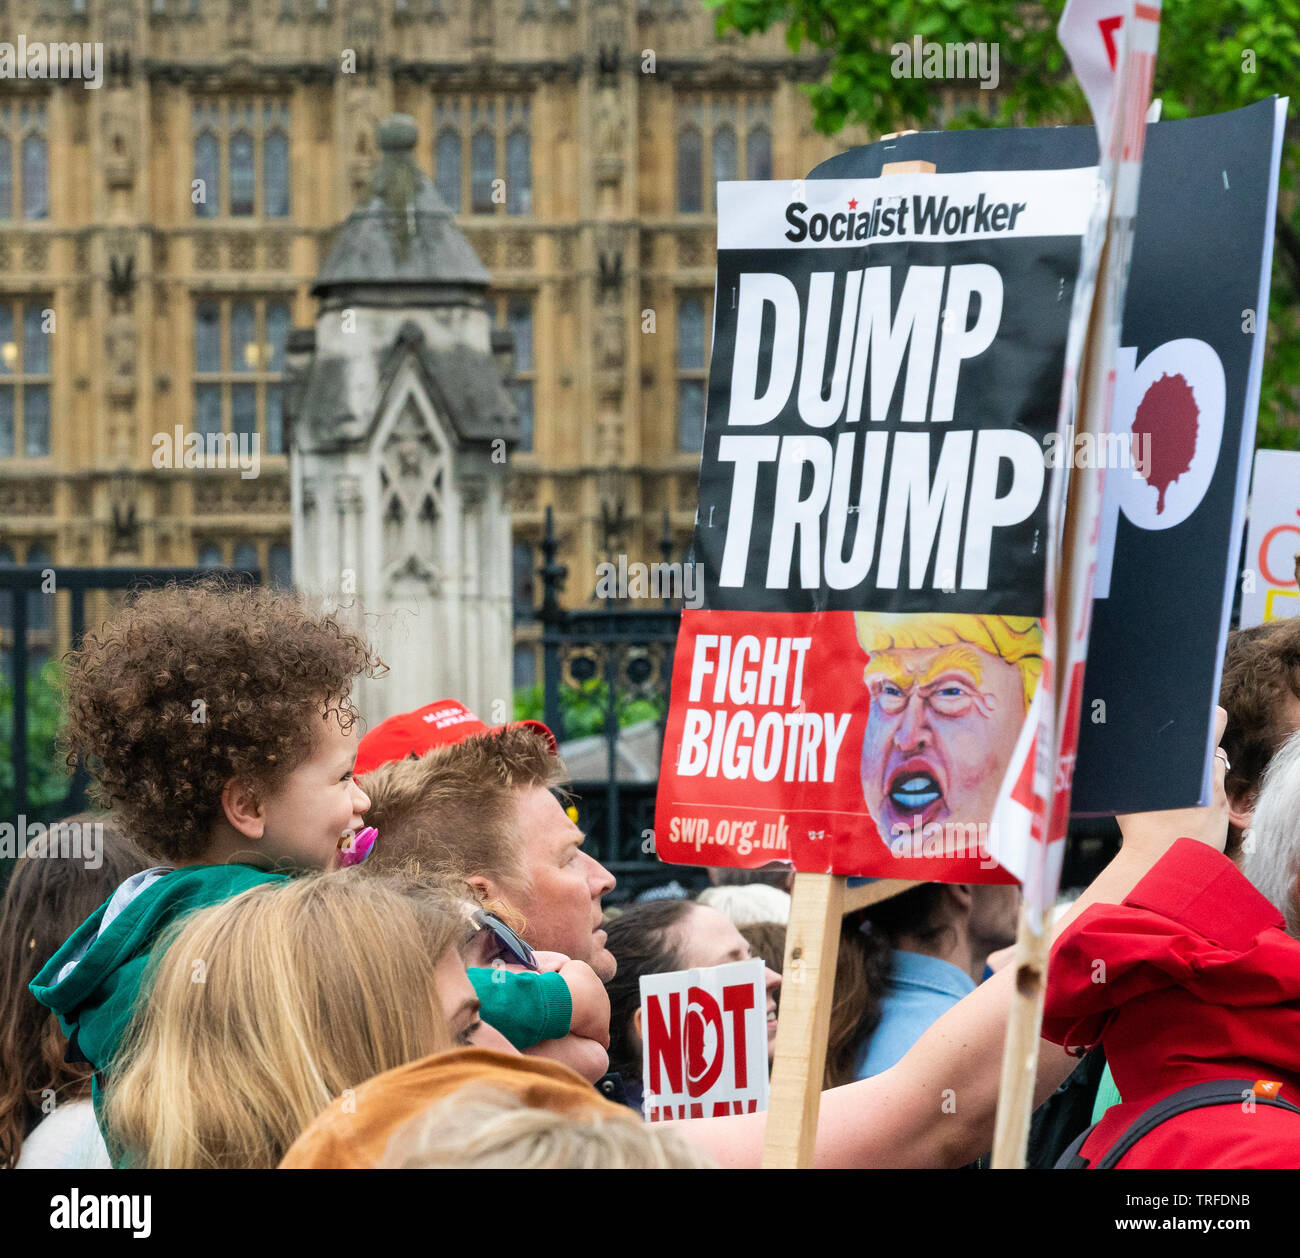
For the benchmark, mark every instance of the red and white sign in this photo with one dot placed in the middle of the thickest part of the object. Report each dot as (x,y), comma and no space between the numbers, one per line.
(1091,31)
(1268,590)
(1119,93)
(1095,35)
(704,1034)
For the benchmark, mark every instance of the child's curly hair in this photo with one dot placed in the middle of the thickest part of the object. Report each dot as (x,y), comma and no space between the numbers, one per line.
(191,686)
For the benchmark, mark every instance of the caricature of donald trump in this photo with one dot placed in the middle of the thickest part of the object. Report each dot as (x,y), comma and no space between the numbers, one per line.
(948,696)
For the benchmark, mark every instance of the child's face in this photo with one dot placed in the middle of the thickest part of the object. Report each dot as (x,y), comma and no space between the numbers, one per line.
(316,804)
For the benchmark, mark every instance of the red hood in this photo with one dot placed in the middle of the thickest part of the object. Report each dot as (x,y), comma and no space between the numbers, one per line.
(1200,981)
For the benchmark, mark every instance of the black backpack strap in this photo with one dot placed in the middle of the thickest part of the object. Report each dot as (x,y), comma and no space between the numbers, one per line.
(1197,1096)
(1065,1113)
(1072,1159)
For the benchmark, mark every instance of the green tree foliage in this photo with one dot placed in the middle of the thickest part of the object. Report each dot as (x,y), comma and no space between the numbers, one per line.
(583,707)
(1215,55)
(48,777)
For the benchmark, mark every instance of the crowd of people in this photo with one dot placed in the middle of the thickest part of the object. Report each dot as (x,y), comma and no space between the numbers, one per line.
(222,989)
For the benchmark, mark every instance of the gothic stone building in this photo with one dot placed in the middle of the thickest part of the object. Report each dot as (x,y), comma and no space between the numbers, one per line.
(160,235)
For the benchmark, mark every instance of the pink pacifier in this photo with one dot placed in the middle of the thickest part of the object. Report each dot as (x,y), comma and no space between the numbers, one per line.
(354,848)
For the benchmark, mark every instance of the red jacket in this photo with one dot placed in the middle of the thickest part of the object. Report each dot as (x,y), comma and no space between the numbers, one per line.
(1192,978)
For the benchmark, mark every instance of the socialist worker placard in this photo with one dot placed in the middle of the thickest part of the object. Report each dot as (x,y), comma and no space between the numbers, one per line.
(857,692)
(1187,392)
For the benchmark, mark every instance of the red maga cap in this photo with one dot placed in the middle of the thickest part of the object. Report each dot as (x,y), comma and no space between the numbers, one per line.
(440,724)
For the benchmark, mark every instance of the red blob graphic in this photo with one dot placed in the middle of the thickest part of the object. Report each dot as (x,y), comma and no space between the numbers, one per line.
(1167,417)
(697,1064)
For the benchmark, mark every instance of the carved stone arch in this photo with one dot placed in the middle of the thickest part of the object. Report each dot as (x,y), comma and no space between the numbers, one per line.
(414,452)
(412,571)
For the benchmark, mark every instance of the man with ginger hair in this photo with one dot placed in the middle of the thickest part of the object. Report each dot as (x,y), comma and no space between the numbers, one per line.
(477,804)
(949,694)
(458,801)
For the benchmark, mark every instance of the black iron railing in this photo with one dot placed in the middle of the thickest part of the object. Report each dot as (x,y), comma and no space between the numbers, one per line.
(624,655)
(19,581)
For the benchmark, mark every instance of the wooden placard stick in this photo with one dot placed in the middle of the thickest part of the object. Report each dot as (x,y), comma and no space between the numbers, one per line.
(1020,1051)
(812,943)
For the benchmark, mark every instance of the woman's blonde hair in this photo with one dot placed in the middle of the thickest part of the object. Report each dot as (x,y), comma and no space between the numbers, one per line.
(266,1007)
(488,1128)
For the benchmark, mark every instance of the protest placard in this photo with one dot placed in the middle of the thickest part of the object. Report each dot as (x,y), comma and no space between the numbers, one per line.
(1269,590)
(704,1035)
(857,694)
(1032,847)
(1187,394)
(1169,547)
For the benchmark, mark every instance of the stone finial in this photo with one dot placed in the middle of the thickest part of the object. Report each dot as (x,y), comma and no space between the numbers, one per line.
(402,233)
(397,134)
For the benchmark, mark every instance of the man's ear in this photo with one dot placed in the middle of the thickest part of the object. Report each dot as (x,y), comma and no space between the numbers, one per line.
(484,888)
(636,1021)
(242,809)
(1241,811)
(961,895)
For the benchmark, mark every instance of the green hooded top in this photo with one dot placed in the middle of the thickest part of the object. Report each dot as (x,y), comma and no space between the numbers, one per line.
(92,981)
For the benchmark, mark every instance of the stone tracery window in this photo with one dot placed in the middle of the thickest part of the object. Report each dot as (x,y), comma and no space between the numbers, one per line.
(690,170)
(447,163)
(692,366)
(24,160)
(709,136)
(238,367)
(241,158)
(483,163)
(26,326)
(496,132)
(758,145)
(274,560)
(515,312)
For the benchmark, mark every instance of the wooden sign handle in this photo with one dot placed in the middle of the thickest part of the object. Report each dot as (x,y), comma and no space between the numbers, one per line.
(1020,1050)
(812,944)
(812,941)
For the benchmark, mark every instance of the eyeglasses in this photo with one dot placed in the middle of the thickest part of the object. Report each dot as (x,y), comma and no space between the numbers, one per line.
(512,949)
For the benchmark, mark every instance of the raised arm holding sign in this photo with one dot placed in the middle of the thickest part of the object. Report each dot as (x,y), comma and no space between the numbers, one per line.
(936,1107)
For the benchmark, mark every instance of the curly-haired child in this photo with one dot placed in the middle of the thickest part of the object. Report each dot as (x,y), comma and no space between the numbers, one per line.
(217,722)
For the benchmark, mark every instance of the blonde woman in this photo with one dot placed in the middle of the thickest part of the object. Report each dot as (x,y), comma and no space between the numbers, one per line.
(265,1008)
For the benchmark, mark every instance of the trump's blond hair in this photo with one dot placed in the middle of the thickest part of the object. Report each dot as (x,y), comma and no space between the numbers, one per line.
(1016,639)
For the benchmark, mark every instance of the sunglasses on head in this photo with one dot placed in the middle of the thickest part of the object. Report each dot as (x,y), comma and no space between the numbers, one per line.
(511,948)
